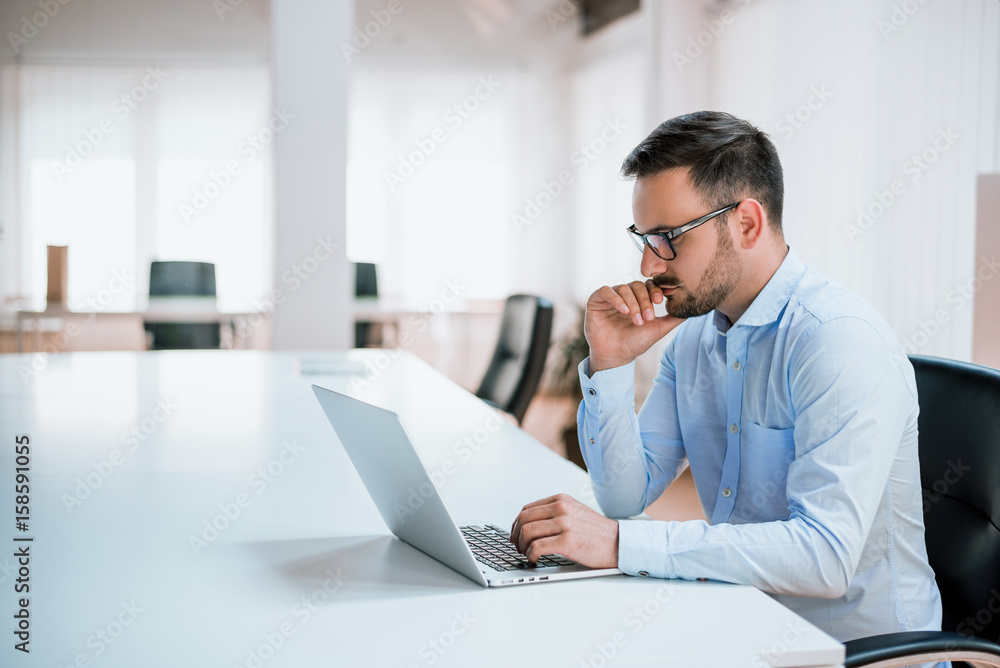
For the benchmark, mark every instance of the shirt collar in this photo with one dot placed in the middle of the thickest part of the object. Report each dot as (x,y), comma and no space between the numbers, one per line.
(771,301)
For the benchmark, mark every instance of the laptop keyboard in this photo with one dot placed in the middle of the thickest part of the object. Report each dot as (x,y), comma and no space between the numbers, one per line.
(491,545)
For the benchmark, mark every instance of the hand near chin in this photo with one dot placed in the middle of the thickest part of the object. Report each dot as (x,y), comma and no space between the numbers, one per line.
(620,324)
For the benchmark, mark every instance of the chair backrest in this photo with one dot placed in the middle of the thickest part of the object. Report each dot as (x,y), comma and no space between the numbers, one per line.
(519,357)
(959,444)
(181,279)
(365,280)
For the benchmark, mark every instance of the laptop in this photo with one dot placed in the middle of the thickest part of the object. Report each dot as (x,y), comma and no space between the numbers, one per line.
(411,506)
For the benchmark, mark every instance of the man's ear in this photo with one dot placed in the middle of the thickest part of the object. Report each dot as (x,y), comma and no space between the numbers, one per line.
(750,223)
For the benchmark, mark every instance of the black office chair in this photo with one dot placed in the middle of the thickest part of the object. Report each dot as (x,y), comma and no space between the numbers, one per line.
(519,357)
(182,279)
(365,285)
(959,445)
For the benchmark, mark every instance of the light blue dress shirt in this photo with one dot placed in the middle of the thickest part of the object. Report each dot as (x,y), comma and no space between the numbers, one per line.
(799,423)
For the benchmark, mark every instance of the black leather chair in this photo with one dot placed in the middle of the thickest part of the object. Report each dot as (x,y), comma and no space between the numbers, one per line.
(182,279)
(519,357)
(365,285)
(959,445)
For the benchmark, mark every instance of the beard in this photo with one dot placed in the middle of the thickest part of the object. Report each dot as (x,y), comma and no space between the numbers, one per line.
(717,283)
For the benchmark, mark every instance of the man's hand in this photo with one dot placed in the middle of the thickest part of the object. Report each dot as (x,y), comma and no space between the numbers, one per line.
(620,324)
(562,525)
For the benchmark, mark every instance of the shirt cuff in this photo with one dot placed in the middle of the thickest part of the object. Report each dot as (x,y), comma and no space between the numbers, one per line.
(642,548)
(608,389)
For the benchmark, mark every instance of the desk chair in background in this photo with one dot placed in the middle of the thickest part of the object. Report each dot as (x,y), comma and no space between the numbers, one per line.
(366,285)
(959,444)
(519,357)
(182,279)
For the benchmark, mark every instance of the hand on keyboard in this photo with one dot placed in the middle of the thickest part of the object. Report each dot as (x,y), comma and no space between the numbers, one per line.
(491,545)
(561,524)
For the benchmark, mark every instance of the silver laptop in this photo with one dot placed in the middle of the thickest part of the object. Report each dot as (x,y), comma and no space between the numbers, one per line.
(413,509)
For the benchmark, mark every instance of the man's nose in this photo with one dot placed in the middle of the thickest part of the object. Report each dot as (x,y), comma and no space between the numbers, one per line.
(652,264)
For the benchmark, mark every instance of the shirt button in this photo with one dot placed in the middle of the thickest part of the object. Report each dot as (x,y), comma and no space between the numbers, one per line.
(733,428)
(592,393)
(727,492)
(591,441)
(737,366)
(643,573)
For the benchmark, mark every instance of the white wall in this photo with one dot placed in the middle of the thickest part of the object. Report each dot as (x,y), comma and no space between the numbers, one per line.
(881,93)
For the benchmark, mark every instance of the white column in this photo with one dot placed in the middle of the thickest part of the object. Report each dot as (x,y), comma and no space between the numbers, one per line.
(314,283)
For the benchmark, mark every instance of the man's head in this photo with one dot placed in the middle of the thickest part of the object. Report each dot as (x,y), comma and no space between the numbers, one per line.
(693,165)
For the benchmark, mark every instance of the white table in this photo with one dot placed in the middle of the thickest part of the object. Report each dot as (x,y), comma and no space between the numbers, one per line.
(304,572)
(238,323)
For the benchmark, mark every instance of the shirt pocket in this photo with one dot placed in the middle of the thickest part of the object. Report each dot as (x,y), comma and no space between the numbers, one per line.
(767,454)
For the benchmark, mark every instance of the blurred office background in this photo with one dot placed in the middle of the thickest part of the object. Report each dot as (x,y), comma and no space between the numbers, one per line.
(450,153)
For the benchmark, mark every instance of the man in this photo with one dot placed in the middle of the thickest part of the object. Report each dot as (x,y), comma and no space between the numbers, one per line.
(789,397)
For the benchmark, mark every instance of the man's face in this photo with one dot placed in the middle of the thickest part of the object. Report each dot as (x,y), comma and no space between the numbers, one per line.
(707,267)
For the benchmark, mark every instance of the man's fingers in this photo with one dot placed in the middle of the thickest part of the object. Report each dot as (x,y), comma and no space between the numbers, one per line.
(547,545)
(608,294)
(634,312)
(530,515)
(542,502)
(641,293)
(655,293)
(549,508)
(533,511)
(536,530)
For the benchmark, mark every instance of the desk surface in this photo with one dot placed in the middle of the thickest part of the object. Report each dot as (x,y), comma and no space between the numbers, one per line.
(196,509)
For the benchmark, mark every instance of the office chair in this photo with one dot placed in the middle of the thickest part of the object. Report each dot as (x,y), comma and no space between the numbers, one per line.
(519,357)
(182,279)
(365,285)
(959,446)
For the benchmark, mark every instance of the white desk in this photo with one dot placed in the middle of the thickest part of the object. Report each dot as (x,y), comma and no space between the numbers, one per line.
(308,564)
(234,321)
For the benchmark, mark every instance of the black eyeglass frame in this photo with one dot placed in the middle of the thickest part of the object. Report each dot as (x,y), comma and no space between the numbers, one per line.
(642,240)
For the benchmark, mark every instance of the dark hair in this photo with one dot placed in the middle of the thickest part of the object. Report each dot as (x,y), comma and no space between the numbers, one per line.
(729,158)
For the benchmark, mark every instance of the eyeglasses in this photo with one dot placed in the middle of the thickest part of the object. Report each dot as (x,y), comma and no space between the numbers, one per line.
(661,243)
